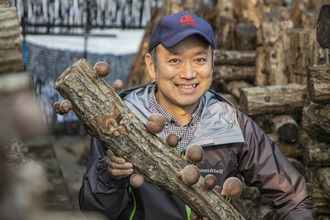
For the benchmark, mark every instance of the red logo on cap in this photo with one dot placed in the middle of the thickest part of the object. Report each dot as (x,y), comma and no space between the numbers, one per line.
(186,20)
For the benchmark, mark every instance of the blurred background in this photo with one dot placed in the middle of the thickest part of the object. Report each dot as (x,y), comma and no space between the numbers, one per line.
(267,53)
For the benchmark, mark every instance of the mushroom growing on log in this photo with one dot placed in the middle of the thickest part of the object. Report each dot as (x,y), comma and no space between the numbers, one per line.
(101,69)
(194,154)
(136,180)
(112,122)
(232,187)
(156,123)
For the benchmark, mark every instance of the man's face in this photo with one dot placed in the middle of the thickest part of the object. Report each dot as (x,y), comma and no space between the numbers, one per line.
(183,75)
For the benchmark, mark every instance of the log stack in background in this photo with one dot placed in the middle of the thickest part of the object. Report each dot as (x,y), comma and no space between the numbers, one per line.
(272,62)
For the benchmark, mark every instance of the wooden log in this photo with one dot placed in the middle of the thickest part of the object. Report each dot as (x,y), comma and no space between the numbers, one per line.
(225,8)
(307,172)
(316,195)
(309,19)
(106,117)
(245,36)
(10,42)
(249,11)
(298,7)
(276,99)
(235,57)
(233,72)
(316,121)
(317,154)
(286,127)
(224,33)
(234,87)
(264,122)
(305,52)
(4,4)
(323,175)
(232,99)
(318,83)
(323,27)
(291,149)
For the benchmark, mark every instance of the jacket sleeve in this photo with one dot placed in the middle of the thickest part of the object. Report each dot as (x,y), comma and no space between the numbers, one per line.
(263,165)
(99,192)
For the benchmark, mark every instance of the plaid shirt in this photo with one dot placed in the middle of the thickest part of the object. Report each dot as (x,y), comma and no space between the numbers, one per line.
(186,132)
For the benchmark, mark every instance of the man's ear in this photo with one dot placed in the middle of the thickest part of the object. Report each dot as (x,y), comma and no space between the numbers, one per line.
(150,66)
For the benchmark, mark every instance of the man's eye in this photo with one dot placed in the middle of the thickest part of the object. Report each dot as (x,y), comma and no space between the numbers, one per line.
(199,60)
(174,61)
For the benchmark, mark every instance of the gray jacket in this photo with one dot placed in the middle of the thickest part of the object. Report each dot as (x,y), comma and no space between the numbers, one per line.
(233,144)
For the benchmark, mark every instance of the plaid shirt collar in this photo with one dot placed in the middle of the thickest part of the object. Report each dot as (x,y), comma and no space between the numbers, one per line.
(156,108)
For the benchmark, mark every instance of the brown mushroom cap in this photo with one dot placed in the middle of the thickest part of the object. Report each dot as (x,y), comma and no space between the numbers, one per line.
(190,174)
(232,187)
(194,154)
(101,69)
(172,140)
(136,180)
(156,123)
(209,182)
(56,107)
(193,216)
(65,106)
(118,85)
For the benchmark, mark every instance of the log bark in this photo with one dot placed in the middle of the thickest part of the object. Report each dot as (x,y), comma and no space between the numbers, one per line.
(138,73)
(234,87)
(245,36)
(305,52)
(233,72)
(318,83)
(235,57)
(4,4)
(225,8)
(106,117)
(286,127)
(224,33)
(323,175)
(298,7)
(291,149)
(10,42)
(323,27)
(316,121)
(309,19)
(249,11)
(316,195)
(317,154)
(276,99)
(307,172)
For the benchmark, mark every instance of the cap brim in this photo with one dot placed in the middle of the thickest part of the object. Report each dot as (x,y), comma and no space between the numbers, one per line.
(180,36)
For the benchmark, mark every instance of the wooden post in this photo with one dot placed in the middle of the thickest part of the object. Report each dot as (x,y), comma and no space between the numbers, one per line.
(298,7)
(108,119)
(10,42)
(249,11)
(224,33)
(316,121)
(245,36)
(319,83)
(225,8)
(276,99)
(309,19)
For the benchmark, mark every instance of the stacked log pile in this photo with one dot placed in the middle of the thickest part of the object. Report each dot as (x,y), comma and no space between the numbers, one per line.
(273,64)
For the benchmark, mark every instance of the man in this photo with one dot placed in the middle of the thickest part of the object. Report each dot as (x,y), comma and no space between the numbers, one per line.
(180,59)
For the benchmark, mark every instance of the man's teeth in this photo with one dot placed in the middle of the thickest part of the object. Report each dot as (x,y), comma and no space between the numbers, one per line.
(188,86)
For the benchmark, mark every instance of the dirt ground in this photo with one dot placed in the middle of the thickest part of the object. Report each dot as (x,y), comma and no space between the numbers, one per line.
(59,156)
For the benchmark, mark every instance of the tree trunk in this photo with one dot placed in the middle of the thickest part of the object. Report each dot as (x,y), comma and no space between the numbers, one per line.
(319,83)
(309,19)
(10,42)
(107,118)
(323,175)
(298,7)
(235,57)
(233,72)
(245,36)
(323,27)
(225,8)
(224,33)
(138,73)
(285,99)
(316,121)
(291,149)
(286,127)
(317,154)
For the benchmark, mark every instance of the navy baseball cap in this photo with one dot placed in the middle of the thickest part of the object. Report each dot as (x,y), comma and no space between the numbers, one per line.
(172,29)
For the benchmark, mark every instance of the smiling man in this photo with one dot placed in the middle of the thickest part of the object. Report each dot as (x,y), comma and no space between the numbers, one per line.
(180,59)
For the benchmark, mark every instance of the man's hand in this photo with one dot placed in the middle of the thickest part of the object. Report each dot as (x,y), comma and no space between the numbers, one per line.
(118,168)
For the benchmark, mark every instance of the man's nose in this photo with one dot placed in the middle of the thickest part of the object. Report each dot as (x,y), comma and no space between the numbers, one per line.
(187,71)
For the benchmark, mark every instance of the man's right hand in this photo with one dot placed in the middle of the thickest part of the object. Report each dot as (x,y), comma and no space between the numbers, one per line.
(118,168)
